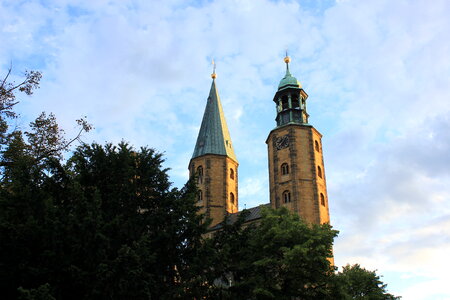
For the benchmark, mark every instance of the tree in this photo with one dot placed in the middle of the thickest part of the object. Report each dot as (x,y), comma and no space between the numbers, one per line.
(151,231)
(280,258)
(45,138)
(8,98)
(107,225)
(355,282)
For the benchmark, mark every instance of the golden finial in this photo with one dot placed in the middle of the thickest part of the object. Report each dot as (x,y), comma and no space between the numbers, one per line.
(214,75)
(287,59)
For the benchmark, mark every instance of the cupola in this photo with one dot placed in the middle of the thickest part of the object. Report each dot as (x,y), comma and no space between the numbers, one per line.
(290,100)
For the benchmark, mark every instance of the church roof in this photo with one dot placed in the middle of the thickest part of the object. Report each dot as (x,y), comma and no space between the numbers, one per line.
(214,137)
(254,214)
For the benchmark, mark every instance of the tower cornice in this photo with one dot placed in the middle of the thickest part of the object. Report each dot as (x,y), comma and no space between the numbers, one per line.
(291,124)
(214,155)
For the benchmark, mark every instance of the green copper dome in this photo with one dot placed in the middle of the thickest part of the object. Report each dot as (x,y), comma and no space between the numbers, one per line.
(288,80)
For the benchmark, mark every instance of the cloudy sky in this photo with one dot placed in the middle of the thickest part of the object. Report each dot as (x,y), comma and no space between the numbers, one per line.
(377,73)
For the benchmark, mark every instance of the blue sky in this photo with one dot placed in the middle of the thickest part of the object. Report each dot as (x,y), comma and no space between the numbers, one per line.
(377,74)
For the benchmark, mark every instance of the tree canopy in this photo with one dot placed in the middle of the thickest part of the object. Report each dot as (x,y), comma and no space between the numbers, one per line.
(105,225)
(279,258)
(355,282)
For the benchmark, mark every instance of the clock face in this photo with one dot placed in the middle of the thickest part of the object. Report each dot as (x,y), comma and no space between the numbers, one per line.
(282,142)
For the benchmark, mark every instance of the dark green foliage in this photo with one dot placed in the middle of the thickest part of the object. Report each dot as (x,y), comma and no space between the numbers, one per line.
(280,258)
(105,226)
(43,292)
(355,282)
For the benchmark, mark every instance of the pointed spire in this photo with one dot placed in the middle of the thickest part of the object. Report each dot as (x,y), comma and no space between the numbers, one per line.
(214,137)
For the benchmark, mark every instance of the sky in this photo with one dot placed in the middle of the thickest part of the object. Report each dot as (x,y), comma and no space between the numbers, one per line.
(377,74)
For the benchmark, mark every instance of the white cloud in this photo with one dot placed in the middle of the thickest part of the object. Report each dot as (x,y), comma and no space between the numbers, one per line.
(252,190)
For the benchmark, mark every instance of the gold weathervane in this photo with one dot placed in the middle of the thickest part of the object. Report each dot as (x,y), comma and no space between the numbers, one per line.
(214,75)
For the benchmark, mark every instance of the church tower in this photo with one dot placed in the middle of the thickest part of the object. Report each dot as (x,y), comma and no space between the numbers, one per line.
(214,162)
(296,169)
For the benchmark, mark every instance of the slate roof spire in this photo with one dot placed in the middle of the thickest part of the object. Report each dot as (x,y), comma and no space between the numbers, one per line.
(214,137)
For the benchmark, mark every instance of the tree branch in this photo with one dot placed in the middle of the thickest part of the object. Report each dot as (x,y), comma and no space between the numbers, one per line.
(6,77)
(8,106)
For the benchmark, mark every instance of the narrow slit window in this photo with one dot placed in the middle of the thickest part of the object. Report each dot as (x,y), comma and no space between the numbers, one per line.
(200,174)
(232,198)
(284,169)
(200,196)
(286,197)
(319,172)
(231,173)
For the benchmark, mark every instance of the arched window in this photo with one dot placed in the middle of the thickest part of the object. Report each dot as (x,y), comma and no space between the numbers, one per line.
(284,169)
(232,198)
(316,146)
(200,174)
(231,173)
(319,171)
(286,196)
(322,199)
(199,196)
